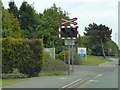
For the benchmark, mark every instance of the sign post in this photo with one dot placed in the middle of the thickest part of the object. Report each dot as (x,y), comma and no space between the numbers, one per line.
(72,58)
(69,60)
(70,34)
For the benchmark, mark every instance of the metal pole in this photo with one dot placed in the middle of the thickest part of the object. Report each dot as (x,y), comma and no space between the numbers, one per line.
(72,58)
(64,52)
(68,59)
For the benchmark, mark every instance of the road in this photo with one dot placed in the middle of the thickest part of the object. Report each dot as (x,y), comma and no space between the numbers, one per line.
(105,76)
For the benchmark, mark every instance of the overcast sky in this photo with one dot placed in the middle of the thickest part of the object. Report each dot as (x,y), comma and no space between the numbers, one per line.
(87,11)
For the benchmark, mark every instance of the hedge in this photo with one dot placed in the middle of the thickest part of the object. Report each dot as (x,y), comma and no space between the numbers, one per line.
(55,65)
(24,54)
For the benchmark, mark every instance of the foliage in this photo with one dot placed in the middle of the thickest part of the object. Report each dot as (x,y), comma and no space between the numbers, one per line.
(55,65)
(38,25)
(77,60)
(13,9)
(48,27)
(99,34)
(113,46)
(52,66)
(8,55)
(26,55)
(33,51)
(95,49)
(46,58)
(85,41)
(28,19)
(10,25)
(61,55)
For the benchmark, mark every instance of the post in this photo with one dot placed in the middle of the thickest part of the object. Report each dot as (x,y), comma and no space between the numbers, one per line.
(68,59)
(64,55)
(64,52)
(72,58)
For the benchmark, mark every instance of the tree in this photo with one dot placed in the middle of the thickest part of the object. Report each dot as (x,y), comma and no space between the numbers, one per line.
(111,48)
(10,25)
(99,34)
(48,27)
(85,41)
(28,19)
(13,9)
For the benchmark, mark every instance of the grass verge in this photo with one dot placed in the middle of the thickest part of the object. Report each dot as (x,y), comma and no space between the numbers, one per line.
(93,60)
(53,73)
(7,82)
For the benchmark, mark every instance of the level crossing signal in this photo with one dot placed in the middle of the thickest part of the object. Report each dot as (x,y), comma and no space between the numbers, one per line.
(68,32)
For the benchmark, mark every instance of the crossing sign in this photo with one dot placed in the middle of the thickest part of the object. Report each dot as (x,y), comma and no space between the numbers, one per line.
(71,21)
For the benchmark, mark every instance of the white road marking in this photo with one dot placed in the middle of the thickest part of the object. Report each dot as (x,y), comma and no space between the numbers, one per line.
(94,81)
(72,83)
(62,78)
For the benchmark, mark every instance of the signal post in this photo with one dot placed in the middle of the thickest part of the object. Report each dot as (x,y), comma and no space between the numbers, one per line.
(69,34)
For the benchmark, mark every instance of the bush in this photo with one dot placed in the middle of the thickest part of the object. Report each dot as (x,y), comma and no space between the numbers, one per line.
(26,55)
(60,56)
(52,66)
(47,58)
(8,55)
(77,60)
(55,65)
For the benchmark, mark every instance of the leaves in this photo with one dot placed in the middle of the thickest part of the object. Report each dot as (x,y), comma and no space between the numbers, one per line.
(98,32)
(10,25)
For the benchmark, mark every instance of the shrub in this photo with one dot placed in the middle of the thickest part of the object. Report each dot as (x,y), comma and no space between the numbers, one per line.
(47,58)
(26,55)
(55,65)
(77,60)
(60,56)
(31,57)
(52,66)
(8,55)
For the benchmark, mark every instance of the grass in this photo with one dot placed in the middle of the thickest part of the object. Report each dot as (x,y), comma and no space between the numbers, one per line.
(53,73)
(93,60)
(7,82)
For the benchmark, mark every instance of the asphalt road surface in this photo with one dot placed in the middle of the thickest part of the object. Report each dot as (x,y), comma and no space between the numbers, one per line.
(107,77)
